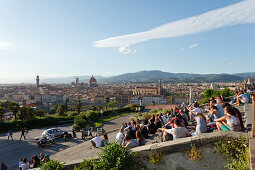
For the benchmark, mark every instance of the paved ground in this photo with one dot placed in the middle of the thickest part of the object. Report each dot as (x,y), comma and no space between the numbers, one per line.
(12,151)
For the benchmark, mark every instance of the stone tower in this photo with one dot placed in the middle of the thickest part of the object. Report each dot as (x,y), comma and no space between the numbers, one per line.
(190,95)
(159,86)
(37,81)
(77,82)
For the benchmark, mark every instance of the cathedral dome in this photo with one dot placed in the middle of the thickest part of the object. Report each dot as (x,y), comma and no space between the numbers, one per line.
(92,82)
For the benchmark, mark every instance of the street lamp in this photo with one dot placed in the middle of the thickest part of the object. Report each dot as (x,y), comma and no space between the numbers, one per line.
(101,111)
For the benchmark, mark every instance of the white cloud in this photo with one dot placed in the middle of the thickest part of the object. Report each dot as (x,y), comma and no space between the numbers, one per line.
(239,13)
(231,63)
(126,50)
(193,46)
(4,45)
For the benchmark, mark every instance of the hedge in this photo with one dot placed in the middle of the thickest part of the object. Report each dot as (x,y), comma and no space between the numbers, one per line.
(81,120)
(32,123)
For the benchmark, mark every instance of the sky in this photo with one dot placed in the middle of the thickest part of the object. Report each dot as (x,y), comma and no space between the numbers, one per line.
(60,38)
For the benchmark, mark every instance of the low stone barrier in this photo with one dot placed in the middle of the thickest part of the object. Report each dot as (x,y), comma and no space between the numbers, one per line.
(176,153)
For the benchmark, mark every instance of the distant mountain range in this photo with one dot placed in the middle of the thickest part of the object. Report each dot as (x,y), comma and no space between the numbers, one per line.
(152,76)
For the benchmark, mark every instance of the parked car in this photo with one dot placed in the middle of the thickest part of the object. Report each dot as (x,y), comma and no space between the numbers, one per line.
(57,133)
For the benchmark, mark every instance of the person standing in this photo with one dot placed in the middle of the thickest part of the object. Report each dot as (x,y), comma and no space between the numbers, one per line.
(26,133)
(23,133)
(10,135)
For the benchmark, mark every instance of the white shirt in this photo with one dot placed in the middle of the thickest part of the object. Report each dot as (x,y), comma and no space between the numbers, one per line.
(244,98)
(119,137)
(164,119)
(179,132)
(24,166)
(97,141)
(197,110)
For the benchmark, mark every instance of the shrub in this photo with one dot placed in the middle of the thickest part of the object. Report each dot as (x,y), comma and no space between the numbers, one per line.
(153,111)
(52,165)
(113,156)
(236,152)
(146,115)
(72,113)
(194,154)
(80,122)
(92,115)
(156,158)
(131,106)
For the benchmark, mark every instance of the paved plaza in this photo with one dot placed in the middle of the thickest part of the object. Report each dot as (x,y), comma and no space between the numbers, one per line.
(12,151)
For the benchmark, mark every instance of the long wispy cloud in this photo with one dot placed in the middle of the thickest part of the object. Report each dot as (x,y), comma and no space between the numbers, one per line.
(239,13)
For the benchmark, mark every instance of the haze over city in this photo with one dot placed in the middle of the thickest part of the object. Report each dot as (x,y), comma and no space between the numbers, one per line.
(62,38)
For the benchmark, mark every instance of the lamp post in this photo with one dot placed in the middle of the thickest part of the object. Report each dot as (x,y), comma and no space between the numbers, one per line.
(101,111)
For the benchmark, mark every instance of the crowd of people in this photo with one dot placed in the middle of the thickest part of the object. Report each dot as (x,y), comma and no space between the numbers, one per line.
(184,121)
(35,162)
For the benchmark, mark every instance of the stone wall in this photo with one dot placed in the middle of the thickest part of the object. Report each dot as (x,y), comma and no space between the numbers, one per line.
(176,153)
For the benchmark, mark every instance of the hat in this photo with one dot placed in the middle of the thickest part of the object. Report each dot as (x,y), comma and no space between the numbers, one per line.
(47,155)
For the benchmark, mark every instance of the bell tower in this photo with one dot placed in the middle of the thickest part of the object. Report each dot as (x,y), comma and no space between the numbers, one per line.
(37,81)
(159,86)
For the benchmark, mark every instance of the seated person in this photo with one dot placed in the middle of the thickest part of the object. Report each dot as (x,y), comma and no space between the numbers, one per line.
(129,142)
(105,140)
(96,141)
(120,136)
(25,164)
(35,162)
(144,131)
(201,124)
(131,132)
(173,119)
(214,114)
(158,123)
(140,138)
(152,128)
(229,122)
(238,114)
(241,99)
(177,132)
(46,158)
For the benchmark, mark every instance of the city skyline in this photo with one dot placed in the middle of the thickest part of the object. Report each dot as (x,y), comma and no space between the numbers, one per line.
(59,42)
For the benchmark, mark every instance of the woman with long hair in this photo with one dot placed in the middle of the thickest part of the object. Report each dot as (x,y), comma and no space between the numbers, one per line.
(140,138)
(201,124)
(229,122)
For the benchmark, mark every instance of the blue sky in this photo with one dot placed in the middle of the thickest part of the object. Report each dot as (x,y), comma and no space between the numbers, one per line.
(54,38)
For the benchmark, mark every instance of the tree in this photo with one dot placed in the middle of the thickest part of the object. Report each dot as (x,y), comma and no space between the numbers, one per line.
(39,113)
(208,93)
(14,107)
(93,108)
(112,104)
(61,110)
(107,100)
(225,92)
(23,113)
(30,112)
(78,106)
(2,111)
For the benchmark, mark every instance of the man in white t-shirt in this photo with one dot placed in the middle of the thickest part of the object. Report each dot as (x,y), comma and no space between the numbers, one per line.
(120,136)
(96,141)
(177,132)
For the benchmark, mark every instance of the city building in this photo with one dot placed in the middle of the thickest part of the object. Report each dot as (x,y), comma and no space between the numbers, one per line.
(145,90)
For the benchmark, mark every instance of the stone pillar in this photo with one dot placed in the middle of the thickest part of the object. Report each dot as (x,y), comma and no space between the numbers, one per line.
(253,114)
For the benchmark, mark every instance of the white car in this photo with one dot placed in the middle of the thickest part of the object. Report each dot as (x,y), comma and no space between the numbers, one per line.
(57,133)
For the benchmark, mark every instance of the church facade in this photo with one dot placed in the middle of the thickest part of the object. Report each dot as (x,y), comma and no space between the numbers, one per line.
(145,91)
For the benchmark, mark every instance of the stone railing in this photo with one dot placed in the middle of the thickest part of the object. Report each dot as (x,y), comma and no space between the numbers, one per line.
(252,134)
